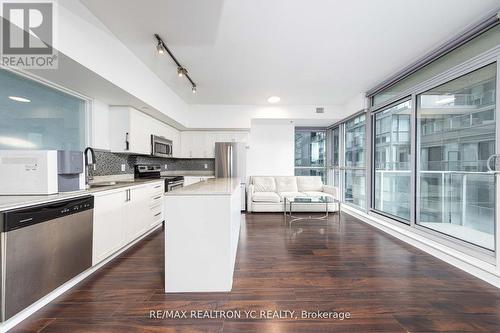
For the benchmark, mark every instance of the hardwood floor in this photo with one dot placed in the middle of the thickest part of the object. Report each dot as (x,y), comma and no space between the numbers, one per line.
(386,285)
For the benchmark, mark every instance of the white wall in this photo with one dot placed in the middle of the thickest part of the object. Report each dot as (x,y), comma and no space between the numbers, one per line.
(271,148)
(87,41)
(240,116)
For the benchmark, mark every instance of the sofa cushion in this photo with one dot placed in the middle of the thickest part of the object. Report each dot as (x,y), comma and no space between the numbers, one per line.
(291,195)
(309,183)
(286,184)
(318,194)
(265,197)
(264,184)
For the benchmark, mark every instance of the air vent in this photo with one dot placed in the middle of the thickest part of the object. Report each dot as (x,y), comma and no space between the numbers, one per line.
(320,110)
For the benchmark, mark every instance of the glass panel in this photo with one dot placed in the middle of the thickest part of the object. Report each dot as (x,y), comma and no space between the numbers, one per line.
(456,135)
(310,153)
(335,146)
(333,177)
(355,142)
(45,118)
(312,172)
(310,148)
(354,139)
(478,45)
(355,187)
(392,160)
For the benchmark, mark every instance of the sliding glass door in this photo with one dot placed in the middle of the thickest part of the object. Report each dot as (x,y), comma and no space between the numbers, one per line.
(392,178)
(456,136)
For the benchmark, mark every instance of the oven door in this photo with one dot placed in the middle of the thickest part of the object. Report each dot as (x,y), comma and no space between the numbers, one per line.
(175,185)
(160,146)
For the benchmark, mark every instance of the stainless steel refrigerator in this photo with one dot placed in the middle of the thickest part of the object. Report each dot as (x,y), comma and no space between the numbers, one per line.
(230,162)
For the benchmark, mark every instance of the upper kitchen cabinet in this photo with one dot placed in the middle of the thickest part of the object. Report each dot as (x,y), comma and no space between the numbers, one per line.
(201,144)
(130,131)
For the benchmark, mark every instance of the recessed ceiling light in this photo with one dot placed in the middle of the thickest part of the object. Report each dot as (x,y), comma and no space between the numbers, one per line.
(19,99)
(274,99)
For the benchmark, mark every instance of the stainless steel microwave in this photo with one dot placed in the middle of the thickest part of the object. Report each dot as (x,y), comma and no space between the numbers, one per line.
(160,146)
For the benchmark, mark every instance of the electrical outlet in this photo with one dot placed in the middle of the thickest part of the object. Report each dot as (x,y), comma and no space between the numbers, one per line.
(166,167)
(205,165)
(123,167)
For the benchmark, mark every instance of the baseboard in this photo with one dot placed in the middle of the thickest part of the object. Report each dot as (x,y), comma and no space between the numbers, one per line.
(476,267)
(30,310)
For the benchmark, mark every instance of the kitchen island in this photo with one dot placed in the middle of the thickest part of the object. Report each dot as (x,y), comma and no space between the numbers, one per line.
(202,226)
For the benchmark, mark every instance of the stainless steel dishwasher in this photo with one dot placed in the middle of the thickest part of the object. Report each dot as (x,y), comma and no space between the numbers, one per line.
(42,247)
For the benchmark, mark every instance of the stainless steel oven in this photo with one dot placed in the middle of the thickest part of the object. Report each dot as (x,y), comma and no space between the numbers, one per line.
(160,146)
(172,183)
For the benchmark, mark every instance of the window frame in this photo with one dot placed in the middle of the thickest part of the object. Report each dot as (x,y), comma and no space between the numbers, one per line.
(372,208)
(489,57)
(343,168)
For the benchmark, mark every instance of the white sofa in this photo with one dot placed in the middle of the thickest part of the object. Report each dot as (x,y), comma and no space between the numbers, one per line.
(266,193)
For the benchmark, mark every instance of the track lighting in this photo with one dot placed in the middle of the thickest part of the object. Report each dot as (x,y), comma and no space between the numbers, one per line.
(162,48)
(181,71)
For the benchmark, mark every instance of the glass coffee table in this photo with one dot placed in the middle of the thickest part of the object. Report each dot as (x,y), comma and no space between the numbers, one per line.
(289,202)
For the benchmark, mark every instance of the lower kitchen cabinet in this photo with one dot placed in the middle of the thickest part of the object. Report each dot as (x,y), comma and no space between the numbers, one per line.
(137,212)
(108,233)
(121,216)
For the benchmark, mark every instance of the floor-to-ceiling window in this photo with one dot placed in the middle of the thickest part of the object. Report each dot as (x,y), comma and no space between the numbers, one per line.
(354,161)
(391,159)
(456,136)
(334,156)
(310,152)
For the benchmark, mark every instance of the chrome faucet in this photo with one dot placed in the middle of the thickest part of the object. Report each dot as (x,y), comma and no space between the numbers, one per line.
(89,162)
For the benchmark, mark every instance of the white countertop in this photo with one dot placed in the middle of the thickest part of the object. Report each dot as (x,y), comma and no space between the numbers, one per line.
(17,201)
(214,186)
(192,173)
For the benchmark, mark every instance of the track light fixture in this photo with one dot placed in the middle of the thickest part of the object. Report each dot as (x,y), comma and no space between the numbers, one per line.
(162,48)
(181,71)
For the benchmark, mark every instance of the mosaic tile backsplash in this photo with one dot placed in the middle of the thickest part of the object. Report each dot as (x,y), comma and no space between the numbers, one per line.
(110,163)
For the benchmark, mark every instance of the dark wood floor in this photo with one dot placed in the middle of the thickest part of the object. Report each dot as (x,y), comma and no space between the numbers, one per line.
(386,285)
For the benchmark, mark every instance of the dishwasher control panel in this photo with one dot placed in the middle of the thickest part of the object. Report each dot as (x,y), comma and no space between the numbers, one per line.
(26,216)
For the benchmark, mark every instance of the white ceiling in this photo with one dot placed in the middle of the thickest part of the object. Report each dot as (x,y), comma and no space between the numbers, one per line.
(308,52)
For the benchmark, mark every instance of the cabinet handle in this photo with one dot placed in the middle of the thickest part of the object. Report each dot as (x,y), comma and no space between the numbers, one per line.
(157,186)
(157,214)
(127,144)
(157,198)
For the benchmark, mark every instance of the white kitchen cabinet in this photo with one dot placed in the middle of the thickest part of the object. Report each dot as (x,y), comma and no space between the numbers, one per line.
(130,131)
(121,216)
(201,144)
(108,233)
(137,212)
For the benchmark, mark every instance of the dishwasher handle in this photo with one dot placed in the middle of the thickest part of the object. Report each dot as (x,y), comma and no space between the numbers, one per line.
(24,217)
